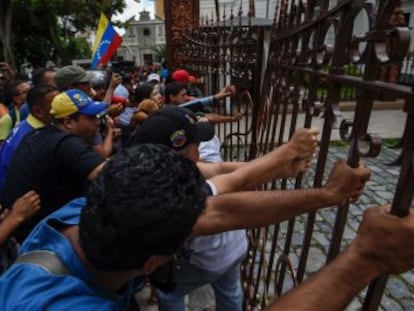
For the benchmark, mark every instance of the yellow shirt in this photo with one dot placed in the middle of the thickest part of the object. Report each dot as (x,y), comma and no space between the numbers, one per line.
(6,124)
(34,122)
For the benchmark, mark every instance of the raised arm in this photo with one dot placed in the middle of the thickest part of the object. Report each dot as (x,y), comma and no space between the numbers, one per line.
(114,82)
(199,103)
(383,245)
(23,209)
(260,208)
(219,118)
(270,166)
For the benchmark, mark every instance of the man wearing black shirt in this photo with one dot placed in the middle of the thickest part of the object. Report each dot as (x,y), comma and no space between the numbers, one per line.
(56,161)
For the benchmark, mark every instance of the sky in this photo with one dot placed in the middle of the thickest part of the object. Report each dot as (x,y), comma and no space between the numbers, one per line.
(132,9)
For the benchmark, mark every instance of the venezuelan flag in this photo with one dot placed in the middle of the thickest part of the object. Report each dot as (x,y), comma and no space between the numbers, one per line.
(106,42)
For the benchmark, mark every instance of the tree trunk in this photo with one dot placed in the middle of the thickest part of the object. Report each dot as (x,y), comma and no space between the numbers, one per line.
(6,16)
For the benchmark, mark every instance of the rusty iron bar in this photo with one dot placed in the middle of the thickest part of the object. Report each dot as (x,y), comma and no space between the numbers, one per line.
(400,206)
(402,198)
(298,185)
(321,74)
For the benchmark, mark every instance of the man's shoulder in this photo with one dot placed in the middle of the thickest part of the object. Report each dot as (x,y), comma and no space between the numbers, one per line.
(49,137)
(30,287)
(49,131)
(67,215)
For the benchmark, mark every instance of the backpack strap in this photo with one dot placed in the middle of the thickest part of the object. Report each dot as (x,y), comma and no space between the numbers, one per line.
(45,259)
(50,262)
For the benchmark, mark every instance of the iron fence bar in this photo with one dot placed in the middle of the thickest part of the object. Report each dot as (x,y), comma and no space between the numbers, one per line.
(375,86)
(298,184)
(320,168)
(298,51)
(400,207)
(362,115)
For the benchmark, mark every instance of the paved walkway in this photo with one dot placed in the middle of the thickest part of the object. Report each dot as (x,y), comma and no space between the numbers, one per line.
(379,190)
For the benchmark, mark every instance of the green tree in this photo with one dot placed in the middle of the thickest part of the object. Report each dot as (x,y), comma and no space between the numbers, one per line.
(40,30)
(160,52)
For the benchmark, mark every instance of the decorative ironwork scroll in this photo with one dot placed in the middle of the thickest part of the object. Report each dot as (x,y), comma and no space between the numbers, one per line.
(291,73)
(314,45)
(179,15)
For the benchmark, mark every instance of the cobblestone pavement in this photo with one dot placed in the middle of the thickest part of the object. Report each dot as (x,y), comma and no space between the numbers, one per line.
(399,294)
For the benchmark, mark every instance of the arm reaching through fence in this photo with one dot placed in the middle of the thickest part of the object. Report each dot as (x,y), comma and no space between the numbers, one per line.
(252,209)
(273,165)
(382,246)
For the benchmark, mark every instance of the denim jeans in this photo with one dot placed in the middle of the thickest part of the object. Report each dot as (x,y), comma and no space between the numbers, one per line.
(226,286)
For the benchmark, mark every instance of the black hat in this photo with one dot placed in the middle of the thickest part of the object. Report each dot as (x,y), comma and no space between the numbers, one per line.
(174,127)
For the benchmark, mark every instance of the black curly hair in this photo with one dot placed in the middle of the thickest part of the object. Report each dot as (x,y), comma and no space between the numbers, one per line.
(145,202)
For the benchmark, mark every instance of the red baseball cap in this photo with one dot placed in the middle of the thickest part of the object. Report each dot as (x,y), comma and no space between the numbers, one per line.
(119,100)
(181,75)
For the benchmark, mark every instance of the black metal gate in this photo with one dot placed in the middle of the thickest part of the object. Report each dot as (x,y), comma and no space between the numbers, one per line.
(288,72)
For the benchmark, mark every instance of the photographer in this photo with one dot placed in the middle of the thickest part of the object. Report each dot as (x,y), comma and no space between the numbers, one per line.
(104,91)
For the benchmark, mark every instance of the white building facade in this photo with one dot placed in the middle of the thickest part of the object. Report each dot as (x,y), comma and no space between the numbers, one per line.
(142,39)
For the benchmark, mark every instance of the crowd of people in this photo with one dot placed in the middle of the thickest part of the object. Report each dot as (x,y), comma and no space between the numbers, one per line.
(111,180)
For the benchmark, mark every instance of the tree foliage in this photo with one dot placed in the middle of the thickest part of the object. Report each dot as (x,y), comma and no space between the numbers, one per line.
(160,53)
(39,30)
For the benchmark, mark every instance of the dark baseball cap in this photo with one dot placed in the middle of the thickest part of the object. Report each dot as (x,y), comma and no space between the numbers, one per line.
(68,75)
(174,127)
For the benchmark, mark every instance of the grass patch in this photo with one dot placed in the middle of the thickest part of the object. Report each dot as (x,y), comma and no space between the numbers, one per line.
(338,143)
(390,142)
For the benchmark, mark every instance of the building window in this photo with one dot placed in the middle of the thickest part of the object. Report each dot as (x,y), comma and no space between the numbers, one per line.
(146,32)
(148,58)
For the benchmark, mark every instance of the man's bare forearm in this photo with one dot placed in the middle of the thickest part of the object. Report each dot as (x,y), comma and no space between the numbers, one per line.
(210,170)
(332,288)
(256,172)
(253,209)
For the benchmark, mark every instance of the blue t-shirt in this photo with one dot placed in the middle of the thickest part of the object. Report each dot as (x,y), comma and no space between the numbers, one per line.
(9,146)
(29,287)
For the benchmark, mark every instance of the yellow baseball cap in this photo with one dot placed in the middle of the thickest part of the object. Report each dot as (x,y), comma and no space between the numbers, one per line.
(72,101)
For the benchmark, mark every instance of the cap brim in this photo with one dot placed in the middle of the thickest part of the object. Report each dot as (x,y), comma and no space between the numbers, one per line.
(205,131)
(93,108)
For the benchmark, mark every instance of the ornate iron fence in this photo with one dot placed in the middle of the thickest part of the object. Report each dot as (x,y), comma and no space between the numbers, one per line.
(288,74)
